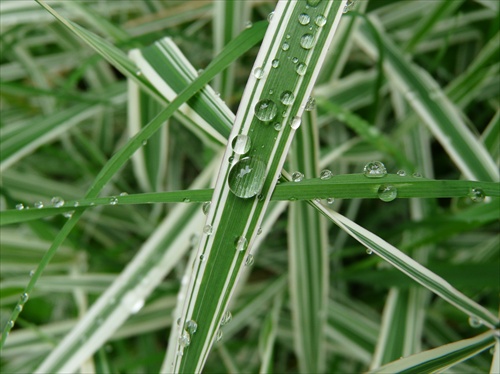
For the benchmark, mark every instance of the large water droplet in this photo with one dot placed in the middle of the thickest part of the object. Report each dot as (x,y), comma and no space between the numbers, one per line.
(206,207)
(249,260)
(258,73)
(297,176)
(295,123)
(241,144)
(476,195)
(184,339)
(307,41)
(475,322)
(246,177)
(226,318)
(320,20)
(20,206)
(266,110)
(287,97)
(387,193)
(241,243)
(285,46)
(301,68)
(325,174)
(57,202)
(191,326)
(304,19)
(38,204)
(375,169)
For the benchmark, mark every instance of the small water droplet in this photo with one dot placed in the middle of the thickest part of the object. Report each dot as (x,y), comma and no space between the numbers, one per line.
(138,73)
(208,229)
(113,200)
(270,16)
(144,143)
(178,321)
(24,298)
(248,24)
(32,272)
(137,306)
(325,174)
(19,308)
(266,110)
(375,169)
(313,3)
(191,326)
(285,46)
(307,41)
(295,123)
(226,318)
(417,175)
(278,126)
(301,68)
(387,193)
(369,251)
(249,260)
(330,200)
(246,177)
(297,176)
(123,194)
(258,73)
(241,243)
(475,322)
(259,231)
(20,206)
(186,200)
(320,20)
(76,204)
(401,173)
(184,339)
(68,214)
(304,19)
(10,324)
(206,207)
(38,204)
(241,144)
(310,104)
(202,257)
(287,97)
(275,63)
(477,195)
(200,71)
(218,336)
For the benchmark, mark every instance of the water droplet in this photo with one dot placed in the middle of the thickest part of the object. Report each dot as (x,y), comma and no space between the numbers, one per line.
(285,46)
(287,97)
(241,144)
(307,41)
(68,214)
(144,143)
(123,194)
(202,257)
(24,298)
(208,229)
(476,195)
(249,260)
(275,63)
(137,306)
(218,336)
(330,200)
(369,251)
(417,175)
(310,104)
(10,324)
(401,173)
(191,326)
(179,320)
(295,123)
(248,24)
(475,322)
(138,73)
(20,206)
(57,202)
(241,243)
(387,193)
(186,200)
(246,177)
(32,272)
(76,204)
(266,110)
(206,207)
(226,318)
(375,169)
(304,19)
(258,73)
(200,71)
(278,126)
(301,68)
(320,20)
(270,16)
(313,3)
(18,308)
(38,204)
(113,200)
(325,174)
(259,231)
(297,176)
(184,339)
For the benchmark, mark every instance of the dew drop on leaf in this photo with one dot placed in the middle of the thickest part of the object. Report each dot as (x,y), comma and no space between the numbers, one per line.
(184,339)
(375,169)
(301,68)
(476,195)
(295,123)
(369,251)
(226,318)
(258,73)
(287,97)
(320,20)
(218,336)
(113,200)
(19,206)
(475,322)
(297,176)
(206,207)
(208,229)
(285,46)
(401,173)
(310,104)
(249,260)
(241,144)
(325,174)
(266,110)
(191,326)
(304,18)
(241,243)
(246,177)
(307,41)
(38,205)
(57,202)
(313,3)
(275,63)
(387,193)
